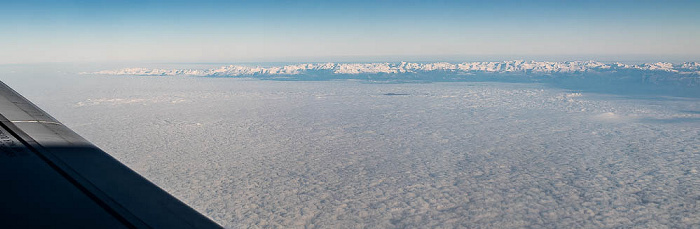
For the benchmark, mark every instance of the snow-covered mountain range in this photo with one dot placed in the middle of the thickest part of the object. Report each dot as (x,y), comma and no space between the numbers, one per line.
(516,66)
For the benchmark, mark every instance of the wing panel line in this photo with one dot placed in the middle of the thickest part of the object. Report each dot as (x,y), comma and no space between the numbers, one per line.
(5,125)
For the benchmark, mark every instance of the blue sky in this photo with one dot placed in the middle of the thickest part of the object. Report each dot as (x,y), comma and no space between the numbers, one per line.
(248,31)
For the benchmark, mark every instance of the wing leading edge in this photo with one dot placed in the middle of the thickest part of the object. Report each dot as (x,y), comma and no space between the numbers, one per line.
(52,177)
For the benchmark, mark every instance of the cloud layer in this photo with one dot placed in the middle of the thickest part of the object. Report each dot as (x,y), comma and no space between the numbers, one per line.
(343,154)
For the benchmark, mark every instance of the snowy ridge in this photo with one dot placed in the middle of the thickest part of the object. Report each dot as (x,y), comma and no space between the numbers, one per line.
(516,66)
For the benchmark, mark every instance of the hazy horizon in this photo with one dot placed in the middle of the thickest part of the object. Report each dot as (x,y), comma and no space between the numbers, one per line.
(222,31)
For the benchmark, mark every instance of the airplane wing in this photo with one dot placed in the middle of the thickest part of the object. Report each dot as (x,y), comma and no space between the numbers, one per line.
(52,178)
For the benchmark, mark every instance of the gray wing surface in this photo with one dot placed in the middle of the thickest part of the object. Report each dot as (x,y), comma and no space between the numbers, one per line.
(50,177)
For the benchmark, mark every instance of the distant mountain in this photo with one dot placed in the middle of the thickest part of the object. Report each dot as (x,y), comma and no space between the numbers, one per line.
(660,78)
(466,68)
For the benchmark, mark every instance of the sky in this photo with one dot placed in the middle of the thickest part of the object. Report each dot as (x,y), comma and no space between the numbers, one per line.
(259,31)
